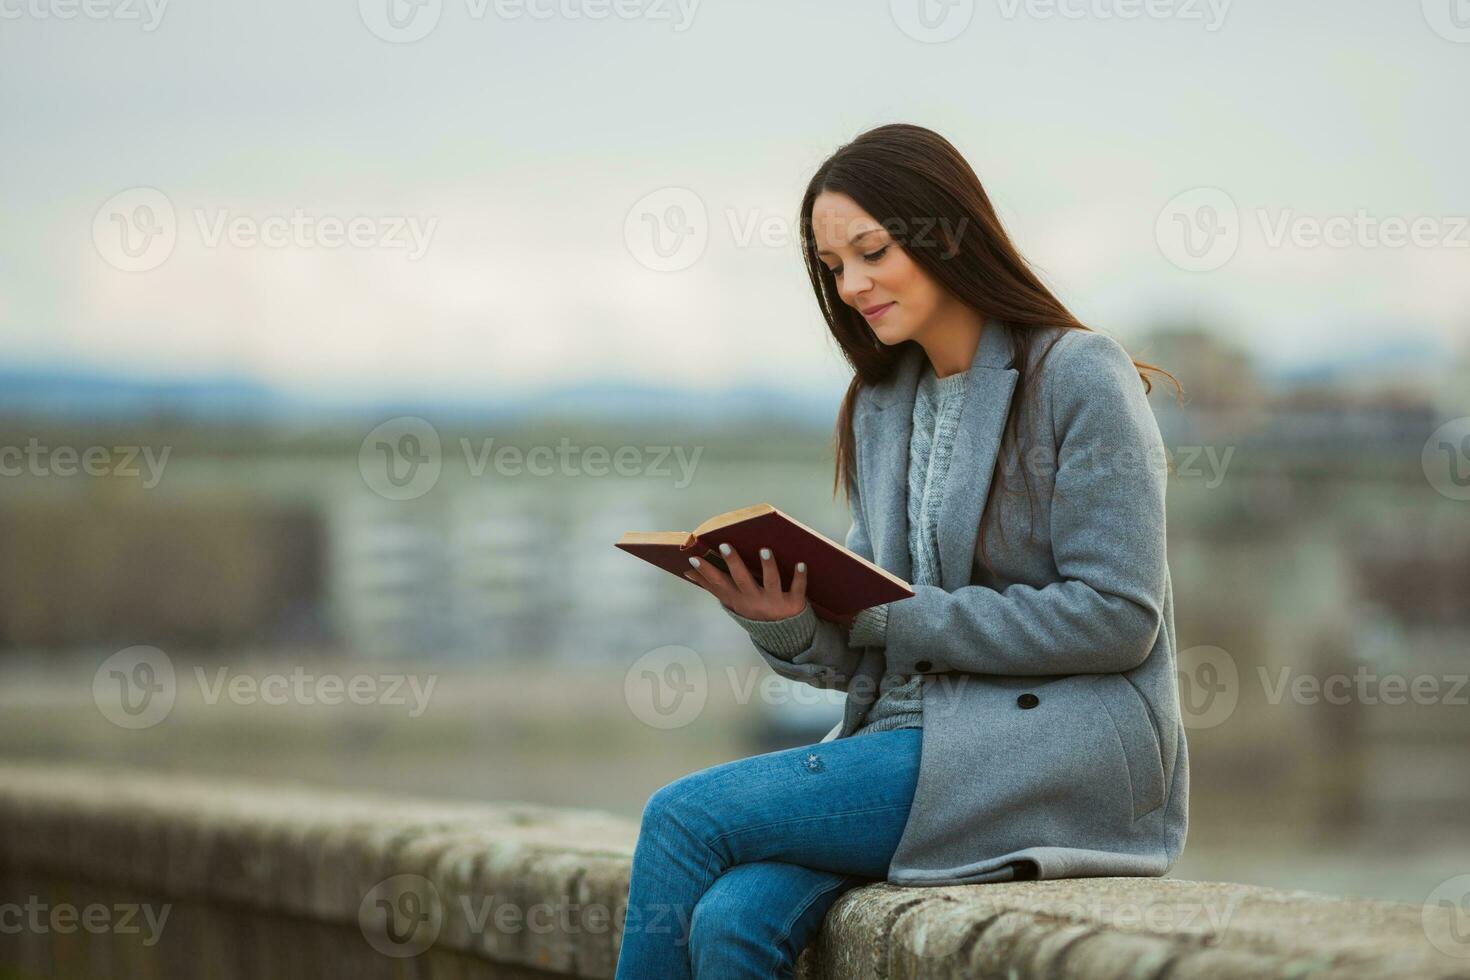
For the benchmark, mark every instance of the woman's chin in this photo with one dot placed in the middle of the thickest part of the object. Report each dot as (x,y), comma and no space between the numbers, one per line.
(890,335)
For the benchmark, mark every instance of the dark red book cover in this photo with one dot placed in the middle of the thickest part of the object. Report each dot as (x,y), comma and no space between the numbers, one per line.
(840,582)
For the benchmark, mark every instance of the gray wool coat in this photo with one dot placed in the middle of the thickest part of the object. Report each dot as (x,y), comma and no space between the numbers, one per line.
(1053,745)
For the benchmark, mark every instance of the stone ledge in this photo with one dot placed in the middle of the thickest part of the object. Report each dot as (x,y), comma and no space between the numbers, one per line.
(311,859)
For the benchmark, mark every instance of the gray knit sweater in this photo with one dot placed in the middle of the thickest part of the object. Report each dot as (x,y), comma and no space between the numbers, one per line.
(937,405)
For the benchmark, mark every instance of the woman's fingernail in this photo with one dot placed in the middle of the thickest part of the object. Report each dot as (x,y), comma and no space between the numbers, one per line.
(766,553)
(725,550)
(801,566)
(694,562)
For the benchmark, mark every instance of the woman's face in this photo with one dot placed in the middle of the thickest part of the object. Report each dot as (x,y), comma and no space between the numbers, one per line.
(874,275)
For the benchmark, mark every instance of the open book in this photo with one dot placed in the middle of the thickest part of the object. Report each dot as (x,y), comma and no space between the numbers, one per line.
(839,582)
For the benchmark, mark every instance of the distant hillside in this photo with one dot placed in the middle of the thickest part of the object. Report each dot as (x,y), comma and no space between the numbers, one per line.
(82,395)
(79,395)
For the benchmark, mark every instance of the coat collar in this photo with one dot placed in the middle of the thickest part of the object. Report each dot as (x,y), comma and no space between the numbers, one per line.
(883,433)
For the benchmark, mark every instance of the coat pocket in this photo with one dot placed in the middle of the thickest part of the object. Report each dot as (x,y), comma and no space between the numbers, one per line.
(1134,723)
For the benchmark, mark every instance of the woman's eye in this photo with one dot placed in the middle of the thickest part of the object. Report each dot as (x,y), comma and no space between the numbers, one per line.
(871,257)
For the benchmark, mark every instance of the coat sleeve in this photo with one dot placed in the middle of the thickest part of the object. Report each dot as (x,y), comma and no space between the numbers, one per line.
(1107,541)
(826,661)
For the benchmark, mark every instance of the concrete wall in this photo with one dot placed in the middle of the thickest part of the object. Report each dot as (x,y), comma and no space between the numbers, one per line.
(114,874)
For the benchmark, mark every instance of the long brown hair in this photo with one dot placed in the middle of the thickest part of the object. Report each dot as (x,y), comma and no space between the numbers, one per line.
(922,191)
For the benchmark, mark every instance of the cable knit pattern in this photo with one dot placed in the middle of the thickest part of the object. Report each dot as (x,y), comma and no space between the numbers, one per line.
(937,405)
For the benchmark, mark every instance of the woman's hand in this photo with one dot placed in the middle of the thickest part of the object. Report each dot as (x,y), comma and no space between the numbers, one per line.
(746,597)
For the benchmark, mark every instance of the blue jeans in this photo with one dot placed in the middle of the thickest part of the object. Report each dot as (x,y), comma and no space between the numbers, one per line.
(736,865)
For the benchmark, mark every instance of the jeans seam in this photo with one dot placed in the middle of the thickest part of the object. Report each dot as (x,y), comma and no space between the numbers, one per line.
(807,903)
(822,816)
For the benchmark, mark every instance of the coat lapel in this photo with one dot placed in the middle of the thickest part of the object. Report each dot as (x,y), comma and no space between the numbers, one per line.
(883,434)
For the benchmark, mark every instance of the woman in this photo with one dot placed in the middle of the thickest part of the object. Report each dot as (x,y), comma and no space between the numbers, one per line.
(1018,716)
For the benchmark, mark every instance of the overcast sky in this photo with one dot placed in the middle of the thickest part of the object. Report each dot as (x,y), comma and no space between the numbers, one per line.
(511,164)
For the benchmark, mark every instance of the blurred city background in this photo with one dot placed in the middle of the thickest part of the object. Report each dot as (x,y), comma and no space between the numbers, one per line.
(577,242)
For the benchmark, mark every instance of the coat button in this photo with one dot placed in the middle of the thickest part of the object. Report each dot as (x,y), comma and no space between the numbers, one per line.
(1028,700)
(923,666)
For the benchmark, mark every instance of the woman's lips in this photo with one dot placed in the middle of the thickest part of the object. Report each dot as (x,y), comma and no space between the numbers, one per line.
(879,311)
